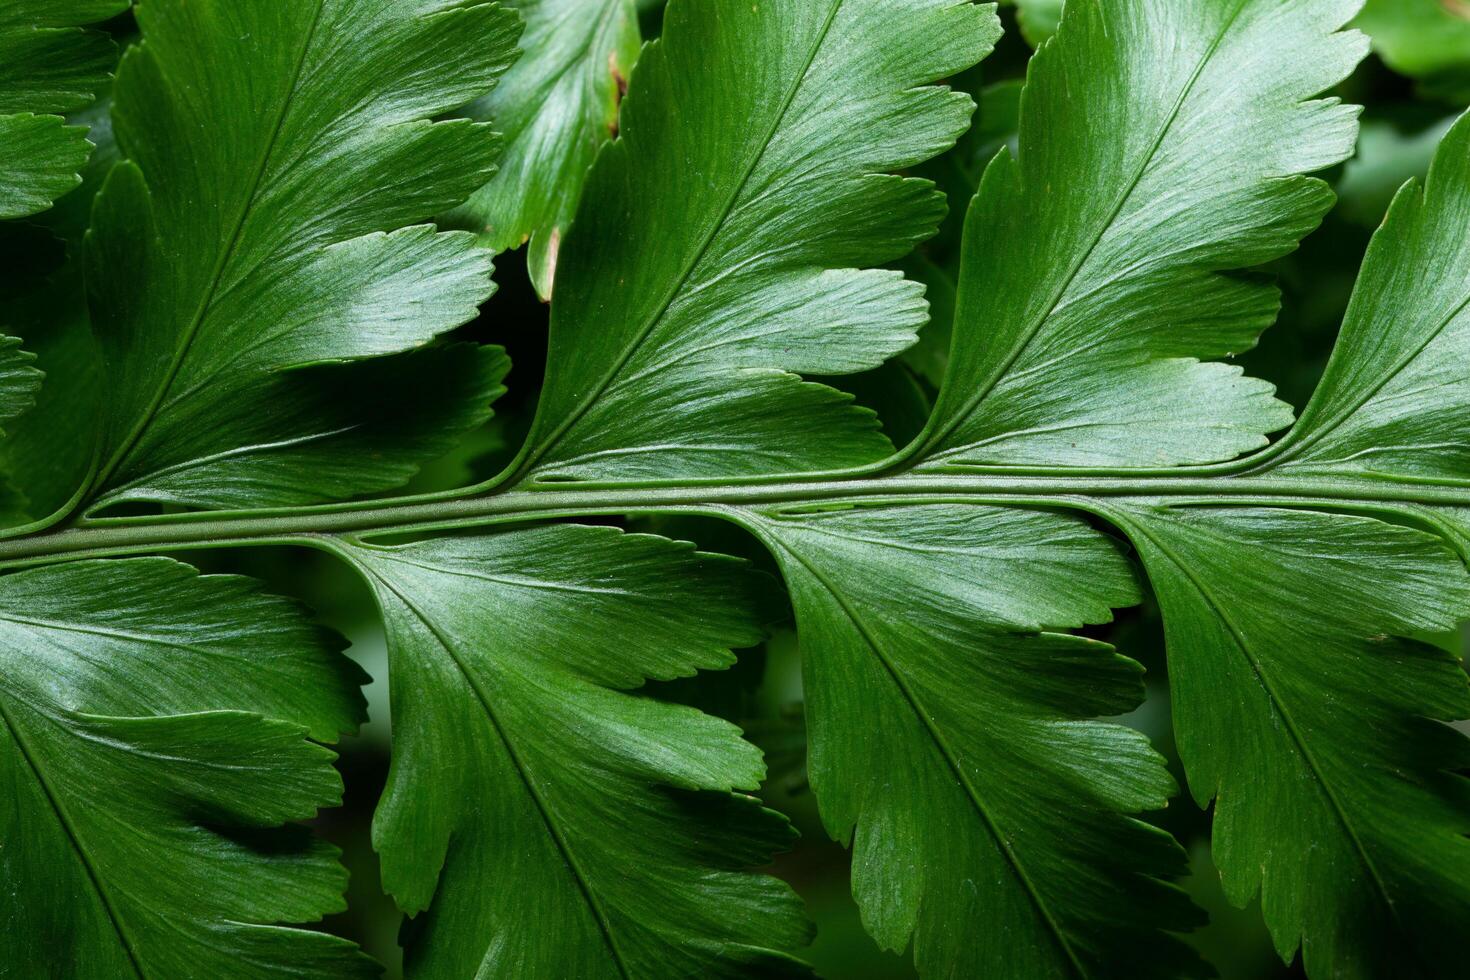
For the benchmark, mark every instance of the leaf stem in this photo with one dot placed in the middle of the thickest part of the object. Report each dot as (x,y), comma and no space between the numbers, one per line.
(202,530)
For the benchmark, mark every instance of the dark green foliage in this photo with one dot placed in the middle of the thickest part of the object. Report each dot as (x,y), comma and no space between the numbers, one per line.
(155,736)
(49,65)
(516,745)
(259,324)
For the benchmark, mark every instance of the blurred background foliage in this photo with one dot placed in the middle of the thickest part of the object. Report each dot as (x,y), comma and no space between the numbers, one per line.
(1415,84)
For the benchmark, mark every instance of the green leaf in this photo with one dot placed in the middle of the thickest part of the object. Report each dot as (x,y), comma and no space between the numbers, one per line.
(1424,39)
(1318,734)
(539,820)
(48,450)
(19,381)
(1094,264)
(47,453)
(951,740)
(48,65)
(145,778)
(19,384)
(274,329)
(257,230)
(936,265)
(708,259)
(42,157)
(557,106)
(1393,400)
(1038,19)
(1339,807)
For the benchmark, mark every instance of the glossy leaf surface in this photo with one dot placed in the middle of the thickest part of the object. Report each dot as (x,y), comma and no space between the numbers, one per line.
(277,326)
(1394,399)
(541,818)
(952,740)
(154,740)
(1094,264)
(556,107)
(49,65)
(1319,733)
(685,307)
(223,266)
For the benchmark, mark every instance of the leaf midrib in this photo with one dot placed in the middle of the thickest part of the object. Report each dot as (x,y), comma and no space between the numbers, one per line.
(106,632)
(206,302)
(526,584)
(120,493)
(1003,845)
(542,807)
(595,391)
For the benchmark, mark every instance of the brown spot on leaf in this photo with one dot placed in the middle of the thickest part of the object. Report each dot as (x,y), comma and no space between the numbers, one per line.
(618,77)
(621,82)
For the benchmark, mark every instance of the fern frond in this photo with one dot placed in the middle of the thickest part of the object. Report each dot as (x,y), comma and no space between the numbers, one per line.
(143,788)
(556,106)
(710,253)
(542,820)
(275,153)
(274,323)
(951,739)
(1269,616)
(49,65)
(1094,263)
(1394,400)
(1318,733)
